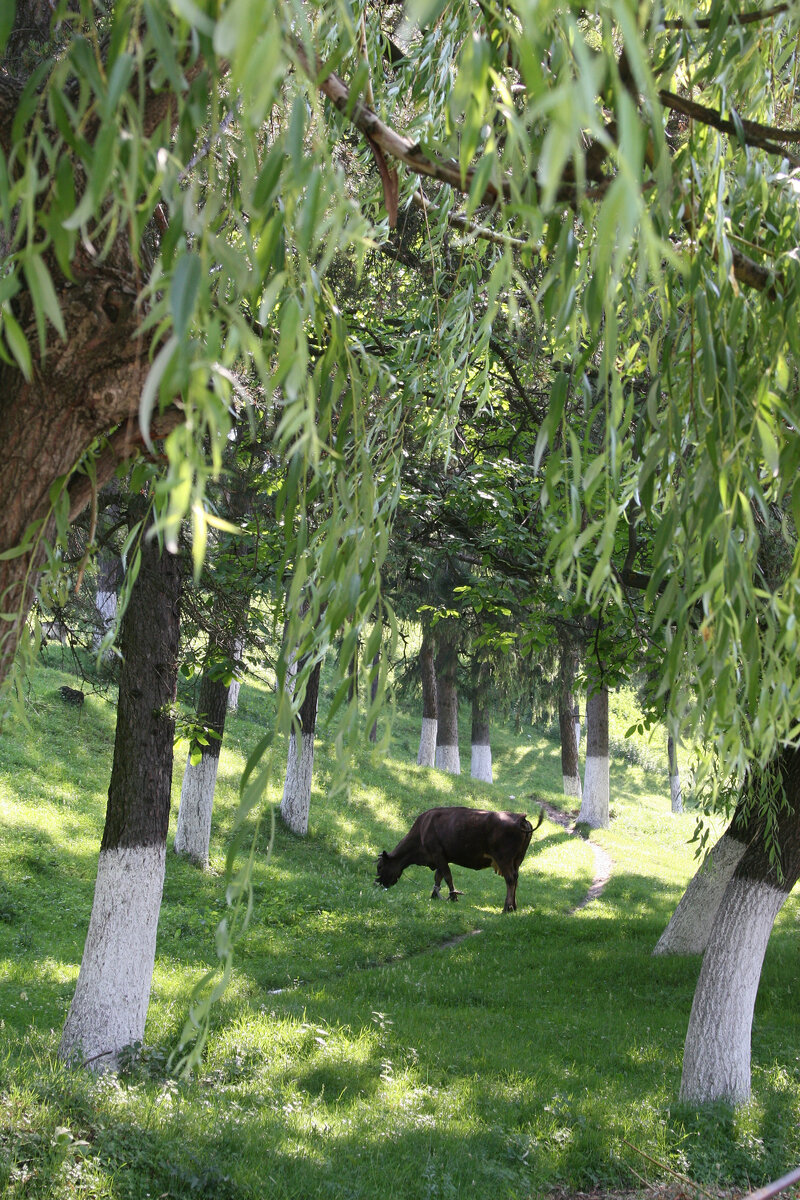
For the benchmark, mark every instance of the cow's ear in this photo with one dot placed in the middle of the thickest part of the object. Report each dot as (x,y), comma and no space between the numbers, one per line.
(383,855)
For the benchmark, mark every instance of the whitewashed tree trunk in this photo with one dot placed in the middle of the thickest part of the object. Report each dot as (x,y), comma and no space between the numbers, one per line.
(675,797)
(481,764)
(296,802)
(106,605)
(577,719)
(193,830)
(447,753)
(111,997)
(569,729)
(716,1058)
(109,1008)
(233,690)
(426,756)
(690,925)
(595,804)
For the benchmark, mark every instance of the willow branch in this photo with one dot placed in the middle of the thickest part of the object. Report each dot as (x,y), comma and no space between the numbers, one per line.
(746,18)
(764,137)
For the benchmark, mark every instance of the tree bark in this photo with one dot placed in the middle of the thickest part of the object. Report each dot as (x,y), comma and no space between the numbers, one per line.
(570,768)
(716,1063)
(690,925)
(595,804)
(447,755)
(675,797)
(426,756)
(296,802)
(109,1007)
(193,831)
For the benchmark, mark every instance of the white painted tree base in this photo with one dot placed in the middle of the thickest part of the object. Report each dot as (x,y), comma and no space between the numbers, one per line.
(481,763)
(427,742)
(233,696)
(716,1057)
(675,797)
(193,831)
(572,785)
(296,802)
(109,1008)
(595,805)
(690,925)
(448,759)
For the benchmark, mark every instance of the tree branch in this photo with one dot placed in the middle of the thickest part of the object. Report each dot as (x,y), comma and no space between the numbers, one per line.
(764,137)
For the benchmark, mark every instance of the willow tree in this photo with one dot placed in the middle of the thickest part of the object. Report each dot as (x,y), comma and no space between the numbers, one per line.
(617,183)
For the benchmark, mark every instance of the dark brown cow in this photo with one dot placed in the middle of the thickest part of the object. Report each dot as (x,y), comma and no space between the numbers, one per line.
(467,837)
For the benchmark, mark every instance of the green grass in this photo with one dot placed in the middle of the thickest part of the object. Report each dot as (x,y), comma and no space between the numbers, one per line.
(353,1056)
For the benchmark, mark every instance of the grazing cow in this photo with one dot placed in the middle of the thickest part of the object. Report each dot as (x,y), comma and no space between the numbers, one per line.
(468,837)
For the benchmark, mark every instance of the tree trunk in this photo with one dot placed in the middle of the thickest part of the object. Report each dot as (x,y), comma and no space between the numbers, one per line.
(675,797)
(570,769)
(481,765)
(106,597)
(109,1007)
(427,665)
(594,807)
(193,831)
(296,801)
(233,690)
(373,692)
(716,1062)
(690,925)
(447,755)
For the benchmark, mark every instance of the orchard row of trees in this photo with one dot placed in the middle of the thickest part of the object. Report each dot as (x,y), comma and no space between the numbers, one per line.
(518,283)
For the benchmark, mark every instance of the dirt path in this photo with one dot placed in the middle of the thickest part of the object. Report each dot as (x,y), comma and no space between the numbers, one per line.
(602,859)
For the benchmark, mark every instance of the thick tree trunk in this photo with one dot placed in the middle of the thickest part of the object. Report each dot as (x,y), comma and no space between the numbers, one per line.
(447,755)
(690,925)
(109,1007)
(595,804)
(296,802)
(675,797)
(193,831)
(570,769)
(716,1063)
(481,765)
(426,756)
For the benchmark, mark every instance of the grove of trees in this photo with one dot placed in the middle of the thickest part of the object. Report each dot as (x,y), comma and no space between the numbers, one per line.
(508,289)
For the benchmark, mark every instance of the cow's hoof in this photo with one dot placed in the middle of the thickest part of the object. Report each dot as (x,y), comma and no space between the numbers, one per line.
(454,895)
(435,894)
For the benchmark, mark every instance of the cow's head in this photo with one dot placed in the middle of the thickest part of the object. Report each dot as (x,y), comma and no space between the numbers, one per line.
(388,871)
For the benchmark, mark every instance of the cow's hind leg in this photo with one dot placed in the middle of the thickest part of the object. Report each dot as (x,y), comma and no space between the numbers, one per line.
(437,883)
(449,879)
(511,890)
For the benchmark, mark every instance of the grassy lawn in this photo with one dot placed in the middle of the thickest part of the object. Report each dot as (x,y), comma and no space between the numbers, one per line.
(355,1054)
